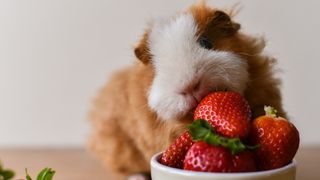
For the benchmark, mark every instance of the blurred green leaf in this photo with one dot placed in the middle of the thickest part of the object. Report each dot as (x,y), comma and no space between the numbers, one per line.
(27,175)
(46,174)
(7,174)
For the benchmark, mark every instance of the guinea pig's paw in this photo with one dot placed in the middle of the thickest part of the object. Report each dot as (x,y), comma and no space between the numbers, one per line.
(140,176)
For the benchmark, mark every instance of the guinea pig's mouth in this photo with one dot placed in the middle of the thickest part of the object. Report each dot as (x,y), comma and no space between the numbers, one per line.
(196,99)
(191,112)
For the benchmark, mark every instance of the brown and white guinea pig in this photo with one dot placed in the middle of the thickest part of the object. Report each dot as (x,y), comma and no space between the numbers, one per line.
(179,60)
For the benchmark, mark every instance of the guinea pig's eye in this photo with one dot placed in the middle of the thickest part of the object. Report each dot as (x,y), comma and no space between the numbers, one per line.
(205,43)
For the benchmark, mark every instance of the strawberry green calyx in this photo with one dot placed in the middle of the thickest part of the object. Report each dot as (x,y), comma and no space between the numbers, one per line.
(270,111)
(201,130)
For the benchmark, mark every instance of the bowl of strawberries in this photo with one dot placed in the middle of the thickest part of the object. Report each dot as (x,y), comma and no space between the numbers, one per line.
(224,143)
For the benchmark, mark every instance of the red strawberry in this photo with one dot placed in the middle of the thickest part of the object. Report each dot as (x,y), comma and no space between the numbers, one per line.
(228,113)
(208,158)
(215,153)
(244,162)
(174,155)
(278,139)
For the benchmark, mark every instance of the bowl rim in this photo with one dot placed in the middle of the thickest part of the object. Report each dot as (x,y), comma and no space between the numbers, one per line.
(169,170)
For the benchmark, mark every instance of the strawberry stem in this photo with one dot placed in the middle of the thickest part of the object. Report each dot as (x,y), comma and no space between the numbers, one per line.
(201,130)
(270,111)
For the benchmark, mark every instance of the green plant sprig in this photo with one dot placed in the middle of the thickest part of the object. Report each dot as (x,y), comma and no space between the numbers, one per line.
(45,174)
(6,174)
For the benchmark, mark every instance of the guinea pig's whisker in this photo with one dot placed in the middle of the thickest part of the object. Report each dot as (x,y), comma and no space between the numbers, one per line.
(247,54)
(223,70)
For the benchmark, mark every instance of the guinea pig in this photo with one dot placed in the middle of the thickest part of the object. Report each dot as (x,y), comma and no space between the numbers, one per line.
(144,107)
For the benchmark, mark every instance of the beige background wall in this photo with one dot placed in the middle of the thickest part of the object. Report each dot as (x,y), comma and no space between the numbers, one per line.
(55,54)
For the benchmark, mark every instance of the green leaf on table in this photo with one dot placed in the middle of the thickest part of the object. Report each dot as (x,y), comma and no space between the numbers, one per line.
(6,174)
(27,175)
(46,174)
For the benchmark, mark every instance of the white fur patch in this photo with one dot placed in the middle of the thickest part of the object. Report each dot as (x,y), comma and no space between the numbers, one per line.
(180,63)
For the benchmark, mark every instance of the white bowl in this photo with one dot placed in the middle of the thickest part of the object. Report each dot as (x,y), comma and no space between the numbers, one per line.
(162,172)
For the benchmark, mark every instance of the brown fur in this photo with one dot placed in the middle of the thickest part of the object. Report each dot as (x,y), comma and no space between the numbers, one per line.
(125,131)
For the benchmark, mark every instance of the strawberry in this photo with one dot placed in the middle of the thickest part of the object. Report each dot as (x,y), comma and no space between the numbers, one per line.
(244,162)
(228,113)
(215,153)
(209,158)
(174,155)
(278,139)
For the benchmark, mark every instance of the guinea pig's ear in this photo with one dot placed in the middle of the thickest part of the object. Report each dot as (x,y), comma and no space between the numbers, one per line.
(224,24)
(142,49)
